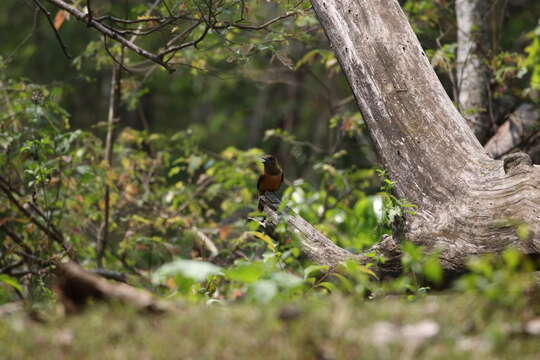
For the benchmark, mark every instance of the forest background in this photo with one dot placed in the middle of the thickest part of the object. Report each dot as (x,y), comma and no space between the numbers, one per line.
(133,171)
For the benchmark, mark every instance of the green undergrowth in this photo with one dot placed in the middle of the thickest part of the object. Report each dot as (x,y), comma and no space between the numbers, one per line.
(447,326)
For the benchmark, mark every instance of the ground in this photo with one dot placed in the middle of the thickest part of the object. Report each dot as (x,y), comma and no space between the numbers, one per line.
(447,326)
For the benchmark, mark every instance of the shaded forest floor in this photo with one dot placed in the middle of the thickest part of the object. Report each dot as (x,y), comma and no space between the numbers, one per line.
(334,327)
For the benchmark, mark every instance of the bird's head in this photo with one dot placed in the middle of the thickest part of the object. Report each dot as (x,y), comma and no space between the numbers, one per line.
(267,159)
(270,164)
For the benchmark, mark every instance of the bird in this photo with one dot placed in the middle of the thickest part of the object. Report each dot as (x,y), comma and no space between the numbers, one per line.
(271,179)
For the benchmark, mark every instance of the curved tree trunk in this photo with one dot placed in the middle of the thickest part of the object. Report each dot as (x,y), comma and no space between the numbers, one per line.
(467,203)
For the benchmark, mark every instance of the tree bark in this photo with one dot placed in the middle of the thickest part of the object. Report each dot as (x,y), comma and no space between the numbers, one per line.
(521,125)
(324,251)
(466,203)
(76,287)
(474,34)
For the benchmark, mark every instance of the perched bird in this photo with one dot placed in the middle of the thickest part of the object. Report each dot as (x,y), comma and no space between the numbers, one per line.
(271,179)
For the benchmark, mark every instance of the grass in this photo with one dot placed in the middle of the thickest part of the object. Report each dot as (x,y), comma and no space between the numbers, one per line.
(334,327)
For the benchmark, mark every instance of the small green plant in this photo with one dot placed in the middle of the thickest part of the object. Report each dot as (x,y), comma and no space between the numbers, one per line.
(393,207)
(499,279)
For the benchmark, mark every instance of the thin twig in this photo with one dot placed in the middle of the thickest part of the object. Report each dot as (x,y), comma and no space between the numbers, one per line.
(206,242)
(147,31)
(8,268)
(49,19)
(26,252)
(256,27)
(184,33)
(119,35)
(185,45)
(81,16)
(142,20)
(89,8)
(131,269)
(167,8)
(28,37)
(113,57)
(103,234)
(48,229)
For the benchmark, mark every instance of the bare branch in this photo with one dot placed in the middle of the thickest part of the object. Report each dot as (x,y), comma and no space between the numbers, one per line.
(9,268)
(206,242)
(49,229)
(119,63)
(110,31)
(81,16)
(26,252)
(89,8)
(49,19)
(10,56)
(256,27)
(103,234)
(167,7)
(143,20)
(149,31)
(185,45)
(184,33)
(324,251)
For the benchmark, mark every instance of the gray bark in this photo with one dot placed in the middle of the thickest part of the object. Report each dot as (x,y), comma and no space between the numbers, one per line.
(321,249)
(523,123)
(472,74)
(467,203)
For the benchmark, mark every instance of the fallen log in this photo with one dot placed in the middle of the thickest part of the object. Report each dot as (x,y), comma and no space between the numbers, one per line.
(76,287)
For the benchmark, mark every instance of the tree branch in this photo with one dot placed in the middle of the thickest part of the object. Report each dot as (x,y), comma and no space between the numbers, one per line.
(26,252)
(49,229)
(75,287)
(384,255)
(49,19)
(255,27)
(83,17)
(185,45)
(206,242)
(119,34)
(103,234)
(138,21)
(119,63)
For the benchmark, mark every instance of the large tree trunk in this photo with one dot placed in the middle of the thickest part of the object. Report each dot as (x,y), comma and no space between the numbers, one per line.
(467,203)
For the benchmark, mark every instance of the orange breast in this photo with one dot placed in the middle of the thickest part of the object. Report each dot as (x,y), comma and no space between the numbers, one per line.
(270,183)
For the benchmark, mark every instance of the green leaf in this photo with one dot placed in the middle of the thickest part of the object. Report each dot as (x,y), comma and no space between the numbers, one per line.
(433,270)
(8,280)
(264,238)
(512,258)
(314,268)
(327,285)
(175,170)
(351,266)
(191,269)
(345,283)
(245,272)
(286,280)
(264,290)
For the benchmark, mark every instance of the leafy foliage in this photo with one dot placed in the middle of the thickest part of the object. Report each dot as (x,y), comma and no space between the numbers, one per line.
(181,197)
